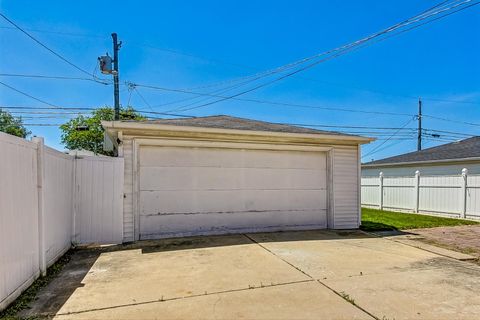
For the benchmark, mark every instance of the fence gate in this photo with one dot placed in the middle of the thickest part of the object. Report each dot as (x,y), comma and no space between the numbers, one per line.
(98,213)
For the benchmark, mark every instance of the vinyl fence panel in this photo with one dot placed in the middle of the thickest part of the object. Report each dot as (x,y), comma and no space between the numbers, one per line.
(457,195)
(370,192)
(40,188)
(58,199)
(473,196)
(19,247)
(442,194)
(398,193)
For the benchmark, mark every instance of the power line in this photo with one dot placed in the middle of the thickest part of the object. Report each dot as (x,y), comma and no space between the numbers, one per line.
(397,142)
(40,124)
(451,132)
(39,76)
(142,97)
(249,67)
(450,120)
(63,108)
(46,112)
(348,48)
(378,130)
(28,95)
(344,49)
(57,32)
(46,47)
(271,102)
(393,135)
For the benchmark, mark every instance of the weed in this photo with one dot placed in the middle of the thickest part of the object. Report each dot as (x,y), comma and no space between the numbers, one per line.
(347,297)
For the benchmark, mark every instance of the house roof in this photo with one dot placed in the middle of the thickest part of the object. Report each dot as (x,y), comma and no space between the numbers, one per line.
(464,149)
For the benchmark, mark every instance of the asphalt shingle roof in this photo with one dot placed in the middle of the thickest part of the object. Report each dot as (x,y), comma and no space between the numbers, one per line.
(468,148)
(228,122)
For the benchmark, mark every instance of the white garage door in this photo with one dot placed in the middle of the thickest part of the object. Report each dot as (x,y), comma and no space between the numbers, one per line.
(191,191)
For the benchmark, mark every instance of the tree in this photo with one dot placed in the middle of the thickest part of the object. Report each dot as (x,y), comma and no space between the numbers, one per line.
(12,125)
(86,132)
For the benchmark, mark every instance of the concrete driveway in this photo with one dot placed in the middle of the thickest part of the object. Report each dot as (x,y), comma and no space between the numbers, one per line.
(290,275)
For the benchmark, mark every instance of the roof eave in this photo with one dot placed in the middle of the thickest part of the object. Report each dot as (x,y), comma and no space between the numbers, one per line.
(114,126)
(407,163)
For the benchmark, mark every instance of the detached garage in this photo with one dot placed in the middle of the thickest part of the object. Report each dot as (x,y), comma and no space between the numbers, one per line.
(220,174)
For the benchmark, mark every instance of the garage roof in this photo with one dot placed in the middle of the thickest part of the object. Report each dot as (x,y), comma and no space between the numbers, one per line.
(464,149)
(235,123)
(222,124)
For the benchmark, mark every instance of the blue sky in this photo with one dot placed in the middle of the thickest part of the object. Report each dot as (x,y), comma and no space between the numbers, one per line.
(193,43)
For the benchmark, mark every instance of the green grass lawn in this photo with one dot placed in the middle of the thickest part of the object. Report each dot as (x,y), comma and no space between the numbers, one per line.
(376,220)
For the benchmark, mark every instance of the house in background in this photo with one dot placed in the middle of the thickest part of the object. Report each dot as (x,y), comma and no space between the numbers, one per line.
(222,174)
(447,159)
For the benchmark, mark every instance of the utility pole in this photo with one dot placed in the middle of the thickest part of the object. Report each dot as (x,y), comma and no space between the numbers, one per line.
(116,90)
(419,117)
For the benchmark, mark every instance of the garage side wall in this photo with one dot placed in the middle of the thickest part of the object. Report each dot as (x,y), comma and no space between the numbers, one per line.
(346,191)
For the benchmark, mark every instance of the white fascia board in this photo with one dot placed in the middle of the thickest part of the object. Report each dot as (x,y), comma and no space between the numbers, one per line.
(113,126)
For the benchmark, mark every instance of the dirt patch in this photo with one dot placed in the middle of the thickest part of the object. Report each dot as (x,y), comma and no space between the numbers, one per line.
(464,239)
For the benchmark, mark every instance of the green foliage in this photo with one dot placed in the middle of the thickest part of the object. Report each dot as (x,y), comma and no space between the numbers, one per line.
(12,125)
(86,132)
(377,220)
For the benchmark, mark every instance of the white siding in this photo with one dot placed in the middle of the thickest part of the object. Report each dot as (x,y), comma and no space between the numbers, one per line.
(99,203)
(19,248)
(128,218)
(346,193)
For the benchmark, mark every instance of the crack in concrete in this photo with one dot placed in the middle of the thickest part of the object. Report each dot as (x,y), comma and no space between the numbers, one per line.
(250,287)
(311,277)
(183,297)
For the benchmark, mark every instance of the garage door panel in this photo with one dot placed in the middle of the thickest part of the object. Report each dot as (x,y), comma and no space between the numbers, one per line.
(190,201)
(194,224)
(171,178)
(229,158)
(189,157)
(204,201)
(283,159)
(283,179)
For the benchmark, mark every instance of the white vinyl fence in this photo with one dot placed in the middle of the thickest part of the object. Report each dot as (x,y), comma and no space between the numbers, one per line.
(47,201)
(457,195)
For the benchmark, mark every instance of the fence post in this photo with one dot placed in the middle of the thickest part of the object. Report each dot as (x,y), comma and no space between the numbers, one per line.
(417,190)
(41,204)
(380,176)
(464,192)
